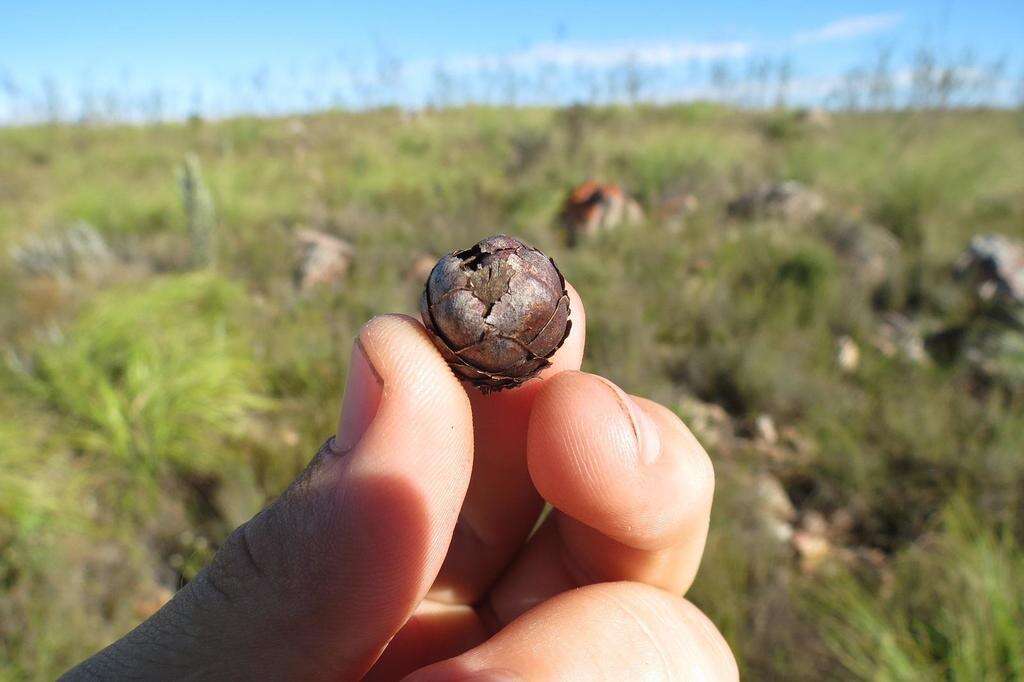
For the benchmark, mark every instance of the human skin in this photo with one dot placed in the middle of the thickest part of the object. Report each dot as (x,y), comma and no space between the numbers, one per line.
(407,549)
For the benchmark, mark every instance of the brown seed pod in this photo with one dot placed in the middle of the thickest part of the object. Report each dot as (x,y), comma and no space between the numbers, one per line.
(497,311)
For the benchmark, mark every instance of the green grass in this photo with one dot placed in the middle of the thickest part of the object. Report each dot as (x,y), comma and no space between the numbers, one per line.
(145,413)
(962,622)
(138,365)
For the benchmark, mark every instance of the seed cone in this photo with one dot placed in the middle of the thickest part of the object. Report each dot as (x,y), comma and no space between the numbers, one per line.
(497,311)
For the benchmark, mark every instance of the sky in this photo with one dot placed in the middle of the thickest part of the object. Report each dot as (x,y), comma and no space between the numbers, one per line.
(218,58)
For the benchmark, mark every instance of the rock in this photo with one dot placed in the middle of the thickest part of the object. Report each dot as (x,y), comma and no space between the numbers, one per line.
(789,448)
(995,265)
(78,251)
(595,207)
(811,541)
(992,341)
(780,531)
(870,251)
(771,511)
(764,429)
(847,354)
(323,260)
(996,353)
(814,522)
(772,499)
(709,422)
(811,549)
(898,335)
(788,201)
(815,117)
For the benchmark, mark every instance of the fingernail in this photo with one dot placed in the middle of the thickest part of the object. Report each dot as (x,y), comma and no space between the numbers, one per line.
(647,433)
(362,398)
(648,437)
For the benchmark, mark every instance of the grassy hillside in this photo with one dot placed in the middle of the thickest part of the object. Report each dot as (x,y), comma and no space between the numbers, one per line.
(159,387)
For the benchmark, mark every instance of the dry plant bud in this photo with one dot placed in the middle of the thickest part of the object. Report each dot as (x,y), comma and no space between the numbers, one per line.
(496,311)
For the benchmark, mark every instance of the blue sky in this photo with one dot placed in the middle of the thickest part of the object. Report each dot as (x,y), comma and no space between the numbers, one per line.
(234,56)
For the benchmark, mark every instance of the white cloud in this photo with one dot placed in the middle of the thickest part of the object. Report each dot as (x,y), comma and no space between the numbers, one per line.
(656,53)
(652,54)
(849,27)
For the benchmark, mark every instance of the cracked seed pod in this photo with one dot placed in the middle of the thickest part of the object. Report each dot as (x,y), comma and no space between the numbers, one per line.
(496,311)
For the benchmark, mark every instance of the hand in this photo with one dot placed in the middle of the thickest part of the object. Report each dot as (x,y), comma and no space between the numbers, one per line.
(405,547)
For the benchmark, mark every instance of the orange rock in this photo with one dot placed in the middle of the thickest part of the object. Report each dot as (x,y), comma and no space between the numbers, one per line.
(595,207)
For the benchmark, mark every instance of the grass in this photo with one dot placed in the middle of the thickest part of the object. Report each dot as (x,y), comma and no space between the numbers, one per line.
(138,364)
(965,625)
(147,411)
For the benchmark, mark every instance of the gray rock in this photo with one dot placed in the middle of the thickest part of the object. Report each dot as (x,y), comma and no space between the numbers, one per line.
(709,422)
(992,341)
(789,201)
(996,353)
(994,264)
(898,335)
(323,260)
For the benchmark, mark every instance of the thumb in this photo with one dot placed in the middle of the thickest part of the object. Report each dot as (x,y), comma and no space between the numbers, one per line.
(318,583)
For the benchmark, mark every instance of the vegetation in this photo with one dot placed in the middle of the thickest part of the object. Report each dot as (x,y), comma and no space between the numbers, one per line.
(150,403)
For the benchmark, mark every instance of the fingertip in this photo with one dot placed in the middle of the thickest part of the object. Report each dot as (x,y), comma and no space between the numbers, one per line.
(581,441)
(399,349)
(623,466)
(576,411)
(700,479)
(717,653)
(396,370)
(695,642)
(363,388)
